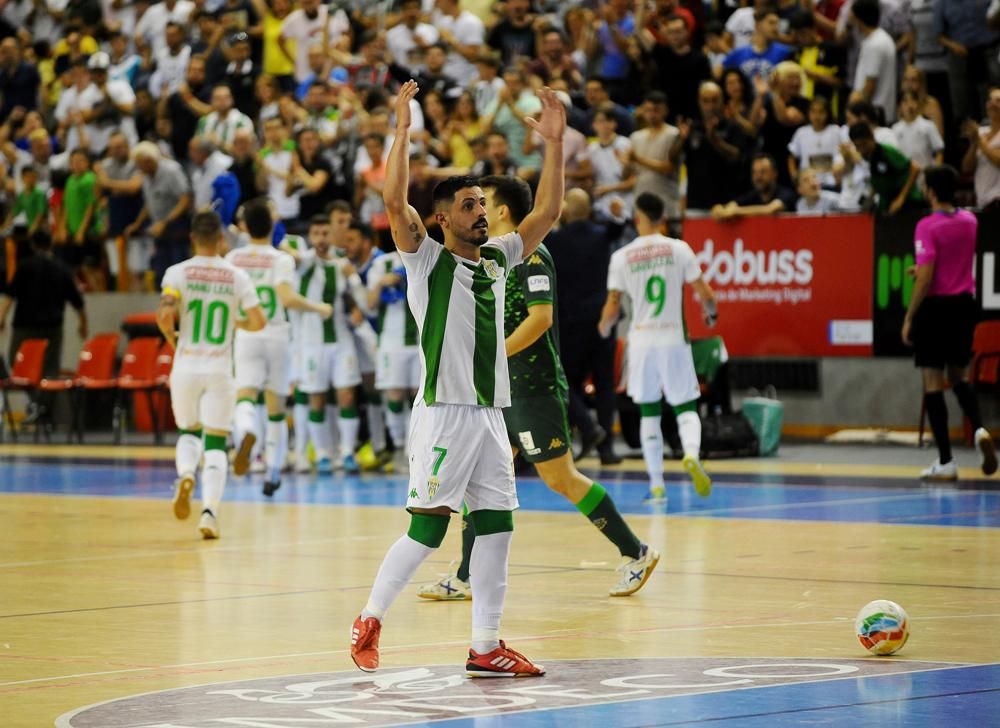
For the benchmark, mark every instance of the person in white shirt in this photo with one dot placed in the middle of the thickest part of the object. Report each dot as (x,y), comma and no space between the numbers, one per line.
(459,450)
(815,145)
(813,199)
(652,271)
(69,110)
(204,297)
(307,26)
(410,34)
(151,30)
(465,34)
(607,161)
(875,75)
(220,125)
(263,357)
(171,63)
(982,158)
(106,106)
(740,26)
(207,163)
(277,162)
(917,136)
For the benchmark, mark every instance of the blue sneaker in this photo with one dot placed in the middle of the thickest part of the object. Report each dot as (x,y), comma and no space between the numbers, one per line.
(324,466)
(350,465)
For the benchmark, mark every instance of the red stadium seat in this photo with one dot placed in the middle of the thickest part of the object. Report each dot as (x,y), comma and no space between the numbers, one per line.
(94,371)
(142,371)
(29,363)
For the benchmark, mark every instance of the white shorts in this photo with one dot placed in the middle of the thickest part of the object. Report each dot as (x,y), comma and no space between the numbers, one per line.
(262,364)
(138,251)
(366,341)
(329,365)
(398,368)
(294,364)
(657,371)
(460,453)
(202,399)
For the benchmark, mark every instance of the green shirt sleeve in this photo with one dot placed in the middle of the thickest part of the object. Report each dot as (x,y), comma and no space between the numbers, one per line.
(538,280)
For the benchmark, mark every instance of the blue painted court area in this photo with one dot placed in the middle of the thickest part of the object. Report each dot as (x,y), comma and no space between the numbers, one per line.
(964,696)
(840,499)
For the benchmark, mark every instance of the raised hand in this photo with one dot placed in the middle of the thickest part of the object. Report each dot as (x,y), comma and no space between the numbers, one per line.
(551,124)
(407,92)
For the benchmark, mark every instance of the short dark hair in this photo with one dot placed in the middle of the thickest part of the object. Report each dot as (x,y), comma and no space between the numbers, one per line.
(867,11)
(650,205)
(860,130)
(655,97)
(28,169)
(444,191)
(366,231)
(338,206)
(319,219)
(863,109)
(801,19)
(761,13)
(513,192)
(41,239)
(258,219)
(206,227)
(942,179)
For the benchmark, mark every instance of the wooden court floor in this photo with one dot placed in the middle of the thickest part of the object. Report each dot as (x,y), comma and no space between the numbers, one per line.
(103,595)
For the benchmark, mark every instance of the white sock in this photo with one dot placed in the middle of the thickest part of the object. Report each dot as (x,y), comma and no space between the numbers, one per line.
(276,447)
(300,421)
(187,454)
(319,433)
(348,427)
(399,565)
(245,420)
(332,415)
(689,427)
(213,479)
(376,426)
(651,437)
(398,423)
(260,430)
(488,576)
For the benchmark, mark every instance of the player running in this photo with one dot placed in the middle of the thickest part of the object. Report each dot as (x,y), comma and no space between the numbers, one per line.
(458,447)
(537,423)
(652,271)
(263,357)
(205,294)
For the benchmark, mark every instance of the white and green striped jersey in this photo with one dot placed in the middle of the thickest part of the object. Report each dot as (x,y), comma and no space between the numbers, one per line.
(323,281)
(459,308)
(397,329)
(268,268)
(299,244)
(652,271)
(209,292)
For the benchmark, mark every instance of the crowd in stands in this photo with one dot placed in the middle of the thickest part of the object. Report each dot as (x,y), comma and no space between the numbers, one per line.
(120,118)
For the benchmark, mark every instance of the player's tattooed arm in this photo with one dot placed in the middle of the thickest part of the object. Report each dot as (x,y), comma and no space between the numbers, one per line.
(166,318)
(415,233)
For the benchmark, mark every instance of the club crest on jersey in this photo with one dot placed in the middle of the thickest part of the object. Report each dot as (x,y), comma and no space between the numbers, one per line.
(491,268)
(433,483)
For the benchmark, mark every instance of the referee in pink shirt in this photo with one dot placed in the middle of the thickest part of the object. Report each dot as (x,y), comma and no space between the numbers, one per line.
(942,317)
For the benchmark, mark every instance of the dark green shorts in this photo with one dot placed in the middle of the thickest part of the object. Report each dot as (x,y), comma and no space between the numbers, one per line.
(538,427)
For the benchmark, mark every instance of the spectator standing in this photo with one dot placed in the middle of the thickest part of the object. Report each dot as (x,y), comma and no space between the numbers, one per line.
(917,137)
(151,30)
(370,71)
(893,175)
(244,166)
(409,35)
(875,75)
(186,106)
(595,96)
(766,198)
(241,75)
(368,189)
(274,62)
(166,196)
(607,163)
(311,23)
(222,122)
(171,62)
(609,44)
(498,160)
(713,149)
(207,165)
(654,153)
(780,109)
(928,55)
(581,250)
(982,158)
(124,63)
(763,53)
(961,27)
(517,102)
(120,185)
(463,34)
(514,35)
(815,145)
(276,163)
(434,77)
(76,226)
(486,91)
(20,82)
(941,318)
(678,68)
(30,204)
(915,82)
(822,61)
(106,106)
(42,287)
(314,175)
(554,62)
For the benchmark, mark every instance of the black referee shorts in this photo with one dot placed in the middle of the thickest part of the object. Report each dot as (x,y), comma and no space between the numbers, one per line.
(942,331)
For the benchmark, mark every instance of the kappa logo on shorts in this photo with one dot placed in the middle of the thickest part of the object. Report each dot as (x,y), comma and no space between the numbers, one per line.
(528,443)
(413,493)
(556,443)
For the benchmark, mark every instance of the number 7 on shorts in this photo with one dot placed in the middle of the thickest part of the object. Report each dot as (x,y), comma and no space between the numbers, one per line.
(439,456)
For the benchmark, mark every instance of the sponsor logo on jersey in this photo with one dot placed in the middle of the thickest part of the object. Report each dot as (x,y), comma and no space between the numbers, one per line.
(539,283)
(745,267)
(211,275)
(528,443)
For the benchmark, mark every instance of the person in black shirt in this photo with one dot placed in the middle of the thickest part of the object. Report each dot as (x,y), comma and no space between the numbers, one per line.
(42,286)
(514,36)
(581,250)
(313,174)
(19,81)
(677,68)
(244,164)
(241,75)
(431,79)
(713,151)
(766,198)
(784,110)
(186,106)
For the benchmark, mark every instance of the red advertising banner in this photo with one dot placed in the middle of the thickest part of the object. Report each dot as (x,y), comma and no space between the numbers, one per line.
(787,286)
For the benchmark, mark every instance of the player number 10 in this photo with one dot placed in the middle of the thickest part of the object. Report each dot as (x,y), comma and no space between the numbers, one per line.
(215,320)
(656,293)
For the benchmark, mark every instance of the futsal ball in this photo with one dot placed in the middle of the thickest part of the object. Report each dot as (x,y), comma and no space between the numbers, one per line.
(882,627)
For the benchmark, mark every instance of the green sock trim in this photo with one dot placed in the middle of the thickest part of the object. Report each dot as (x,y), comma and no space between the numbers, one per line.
(488,522)
(428,529)
(592,499)
(651,409)
(331,395)
(394,407)
(276,418)
(215,442)
(251,400)
(465,509)
(317,415)
(195,433)
(300,397)
(691,406)
(348,413)
(374,398)
(260,397)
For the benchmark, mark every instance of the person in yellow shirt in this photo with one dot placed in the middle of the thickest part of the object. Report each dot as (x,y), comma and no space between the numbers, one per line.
(276,63)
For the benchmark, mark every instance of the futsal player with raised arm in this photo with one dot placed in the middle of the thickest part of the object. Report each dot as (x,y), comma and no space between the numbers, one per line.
(263,357)
(537,422)
(652,271)
(205,294)
(458,443)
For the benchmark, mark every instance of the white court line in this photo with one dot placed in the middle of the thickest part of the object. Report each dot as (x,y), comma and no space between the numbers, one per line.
(693,628)
(808,504)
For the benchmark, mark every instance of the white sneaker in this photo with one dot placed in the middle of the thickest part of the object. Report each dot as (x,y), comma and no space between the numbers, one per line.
(208,525)
(702,483)
(987,451)
(258,465)
(937,471)
(634,573)
(448,589)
